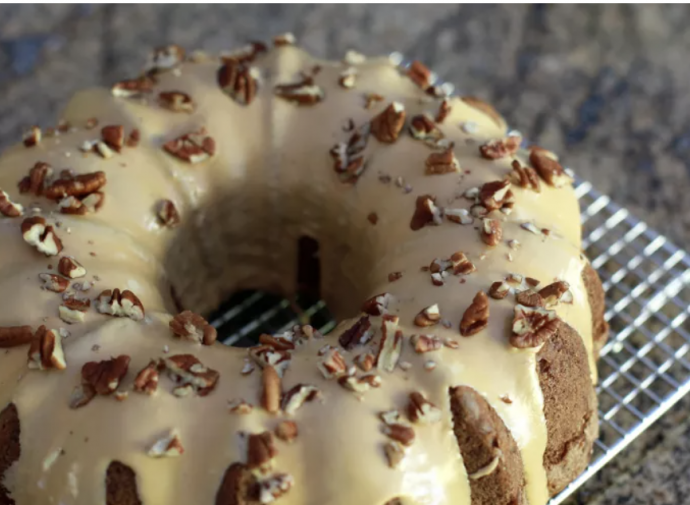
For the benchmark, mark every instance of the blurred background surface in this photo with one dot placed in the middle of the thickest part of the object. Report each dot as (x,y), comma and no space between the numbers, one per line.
(607,87)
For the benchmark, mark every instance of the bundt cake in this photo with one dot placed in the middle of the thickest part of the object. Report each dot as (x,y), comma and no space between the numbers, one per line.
(462,368)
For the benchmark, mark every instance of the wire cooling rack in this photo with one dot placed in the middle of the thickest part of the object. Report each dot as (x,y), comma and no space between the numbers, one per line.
(644,368)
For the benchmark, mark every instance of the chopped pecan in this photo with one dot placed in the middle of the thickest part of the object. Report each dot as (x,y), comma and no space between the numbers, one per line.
(387,125)
(358,334)
(460,216)
(377,305)
(532,326)
(360,384)
(423,128)
(426,343)
(114,136)
(132,88)
(278,342)
(52,282)
(71,268)
(37,234)
(371,99)
(167,214)
(239,81)
(348,156)
(133,138)
(401,433)
(394,276)
(72,309)
(77,186)
(239,406)
(193,327)
(169,446)
(420,74)
(304,92)
(8,208)
(525,177)
(494,195)
(491,231)
(285,39)
(116,304)
(275,486)
(443,110)
(532,228)
(529,298)
(365,361)
(548,168)
(104,377)
(555,292)
(14,336)
(347,78)
(165,58)
(265,355)
(193,147)
(394,453)
(428,317)
(287,431)
(298,396)
(187,370)
(476,316)
(390,346)
(444,162)
(272,389)
(486,108)
(35,181)
(176,101)
(260,451)
(500,148)
(32,137)
(332,364)
(426,213)
(146,380)
(499,290)
(420,410)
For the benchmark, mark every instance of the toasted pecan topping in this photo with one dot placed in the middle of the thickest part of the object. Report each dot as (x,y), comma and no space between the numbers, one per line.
(176,101)
(494,195)
(133,138)
(133,88)
(37,234)
(459,216)
(426,213)
(371,99)
(394,453)
(377,304)
(35,181)
(525,177)
(348,157)
(486,108)
(476,316)
(287,431)
(239,406)
(14,336)
(358,334)
(556,292)
(260,451)
(423,128)
(191,326)
(114,136)
(32,137)
(120,304)
(193,147)
(191,373)
(394,276)
(491,231)
(103,377)
(420,74)
(500,148)
(8,208)
(443,110)
(365,361)
(239,81)
(146,380)
(332,364)
(422,411)
(499,290)
(347,78)
(532,326)
(428,316)
(426,343)
(390,346)
(272,389)
(298,396)
(548,168)
(167,214)
(304,92)
(77,186)
(52,282)
(46,351)
(443,162)
(165,58)
(387,125)
(401,433)
(71,268)
(285,39)
(169,446)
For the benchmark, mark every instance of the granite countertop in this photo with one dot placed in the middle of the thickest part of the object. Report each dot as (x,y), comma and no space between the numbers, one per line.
(607,87)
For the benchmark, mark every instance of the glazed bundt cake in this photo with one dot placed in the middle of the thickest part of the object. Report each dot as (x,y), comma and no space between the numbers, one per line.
(461,371)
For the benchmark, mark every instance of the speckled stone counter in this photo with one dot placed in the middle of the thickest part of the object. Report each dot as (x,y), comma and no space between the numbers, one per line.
(608,87)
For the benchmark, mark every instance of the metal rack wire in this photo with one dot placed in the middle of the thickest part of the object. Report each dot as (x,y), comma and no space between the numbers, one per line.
(644,369)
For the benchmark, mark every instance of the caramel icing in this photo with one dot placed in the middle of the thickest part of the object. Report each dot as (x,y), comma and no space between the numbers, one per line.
(270,182)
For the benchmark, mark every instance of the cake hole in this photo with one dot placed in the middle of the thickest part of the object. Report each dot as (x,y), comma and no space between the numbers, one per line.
(308,266)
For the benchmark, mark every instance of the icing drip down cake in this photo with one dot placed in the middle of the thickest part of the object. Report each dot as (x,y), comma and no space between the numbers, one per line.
(462,367)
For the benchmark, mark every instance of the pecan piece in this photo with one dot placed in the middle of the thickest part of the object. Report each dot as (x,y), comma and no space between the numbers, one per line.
(426,343)
(476,316)
(167,214)
(260,451)
(72,309)
(46,351)
(347,78)
(285,39)
(401,433)
(444,162)
(193,327)
(116,304)
(146,380)
(104,377)
(193,147)
(287,431)
(525,177)
(348,157)
(332,364)
(298,396)
(42,237)
(32,137)
(176,101)
(491,231)
(529,298)
(387,125)
(377,305)
(428,316)
(420,410)
(271,393)
(394,453)
(14,336)
(35,181)
(556,292)
(191,373)
(426,213)
(423,128)
(239,81)
(275,486)
(71,268)
(239,406)
(54,283)
(114,136)
(390,346)
(169,446)
(77,186)
(304,92)
(132,88)
(365,361)
(420,74)
(494,195)
(499,290)
(548,168)
(532,326)
(358,334)
(460,216)
(443,110)
(500,148)
(8,208)
(165,58)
